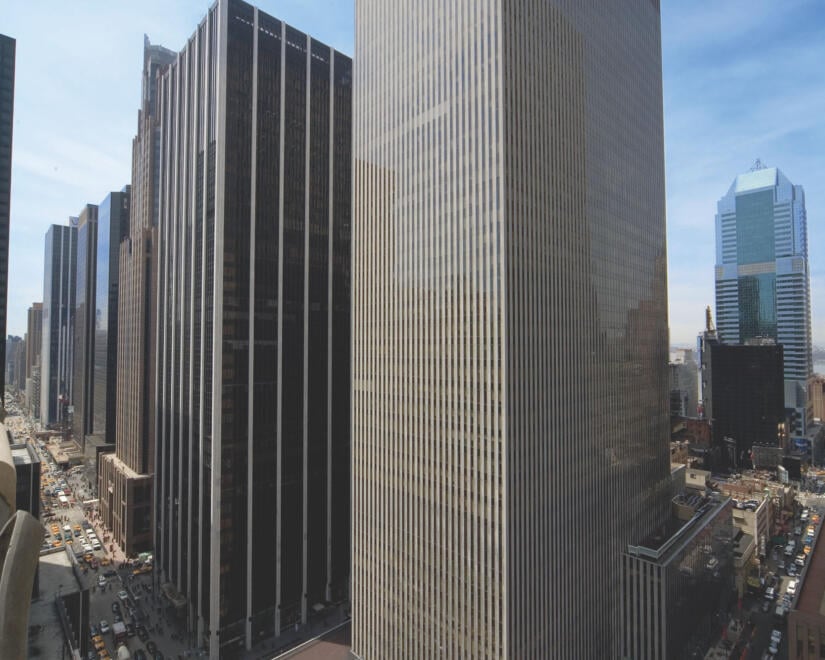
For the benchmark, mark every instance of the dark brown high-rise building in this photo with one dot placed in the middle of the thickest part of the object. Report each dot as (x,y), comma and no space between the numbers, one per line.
(84,322)
(252,471)
(125,482)
(7,65)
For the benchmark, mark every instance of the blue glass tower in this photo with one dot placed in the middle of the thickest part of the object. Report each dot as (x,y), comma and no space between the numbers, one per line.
(762,278)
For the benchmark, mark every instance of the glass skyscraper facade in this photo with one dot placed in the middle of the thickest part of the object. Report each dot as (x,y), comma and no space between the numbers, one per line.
(510,326)
(252,438)
(762,277)
(112,227)
(58,314)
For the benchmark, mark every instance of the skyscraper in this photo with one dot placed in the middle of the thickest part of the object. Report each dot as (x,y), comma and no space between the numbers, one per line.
(762,277)
(7,66)
(58,314)
(112,227)
(252,469)
(125,477)
(510,331)
(84,322)
(34,346)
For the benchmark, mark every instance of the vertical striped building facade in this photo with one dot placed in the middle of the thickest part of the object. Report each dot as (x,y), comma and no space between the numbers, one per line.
(252,478)
(510,415)
(8,50)
(59,274)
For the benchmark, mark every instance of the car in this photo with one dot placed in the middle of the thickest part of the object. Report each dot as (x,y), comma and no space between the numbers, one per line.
(118,618)
(776,636)
(130,629)
(797,531)
(792,572)
(122,594)
(800,560)
(104,627)
(770,593)
(116,607)
(141,633)
(773,648)
(792,587)
(101,581)
(151,647)
(93,630)
(766,605)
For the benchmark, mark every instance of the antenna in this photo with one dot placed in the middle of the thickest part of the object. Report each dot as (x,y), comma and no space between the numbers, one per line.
(709,320)
(758,165)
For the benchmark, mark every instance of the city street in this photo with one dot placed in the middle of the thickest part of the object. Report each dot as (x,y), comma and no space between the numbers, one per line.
(115,591)
(758,610)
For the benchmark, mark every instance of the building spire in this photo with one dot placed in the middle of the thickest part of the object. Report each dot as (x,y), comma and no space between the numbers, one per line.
(709,320)
(758,165)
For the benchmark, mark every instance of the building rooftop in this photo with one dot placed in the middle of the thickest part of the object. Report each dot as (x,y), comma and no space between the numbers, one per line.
(661,547)
(755,180)
(23,454)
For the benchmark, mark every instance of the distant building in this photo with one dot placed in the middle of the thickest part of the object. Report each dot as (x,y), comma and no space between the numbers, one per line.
(762,278)
(58,320)
(742,397)
(7,70)
(15,362)
(816,392)
(676,582)
(34,337)
(683,378)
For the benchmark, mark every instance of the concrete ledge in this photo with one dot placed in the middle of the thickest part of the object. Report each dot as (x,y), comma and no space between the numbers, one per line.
(20,541)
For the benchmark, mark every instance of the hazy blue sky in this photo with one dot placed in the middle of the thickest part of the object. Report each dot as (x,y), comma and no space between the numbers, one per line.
(743,79)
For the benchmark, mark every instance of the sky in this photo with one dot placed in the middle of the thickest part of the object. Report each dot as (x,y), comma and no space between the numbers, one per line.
(743,79)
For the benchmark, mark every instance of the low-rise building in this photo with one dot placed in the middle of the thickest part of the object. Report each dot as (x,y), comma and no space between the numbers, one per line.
(675,583)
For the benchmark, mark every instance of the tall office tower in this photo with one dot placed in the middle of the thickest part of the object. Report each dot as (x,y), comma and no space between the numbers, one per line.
(58,313)
(34,336)
(84,323)
(34,345)
(124,477)
(112,228)
(762,277)
(7,65)
(510,332)
(252,473)
(15,359)
(684,383)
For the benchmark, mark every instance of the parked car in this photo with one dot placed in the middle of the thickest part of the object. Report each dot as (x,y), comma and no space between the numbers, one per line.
(151,647)
(104,627)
